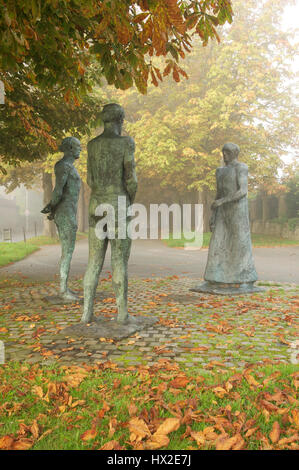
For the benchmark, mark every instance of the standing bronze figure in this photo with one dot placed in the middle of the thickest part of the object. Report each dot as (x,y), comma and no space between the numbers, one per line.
(110,174)
(63,208)
(230,266)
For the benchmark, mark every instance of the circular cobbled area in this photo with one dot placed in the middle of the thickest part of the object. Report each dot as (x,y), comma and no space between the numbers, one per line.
(195,330)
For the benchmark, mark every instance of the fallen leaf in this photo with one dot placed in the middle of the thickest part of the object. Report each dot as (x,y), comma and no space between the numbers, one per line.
(275,433)
(179,382)
(226,443)
(22,444)
(89,434)
(6,442)
(168,426)
(132,409)
(111,445)
(156,442)
(138,429)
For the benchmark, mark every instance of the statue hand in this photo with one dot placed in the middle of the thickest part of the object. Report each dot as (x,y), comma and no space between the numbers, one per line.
(217,203)
(47,209)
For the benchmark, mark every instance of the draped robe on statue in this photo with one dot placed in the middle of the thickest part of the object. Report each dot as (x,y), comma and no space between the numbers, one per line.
(230,257)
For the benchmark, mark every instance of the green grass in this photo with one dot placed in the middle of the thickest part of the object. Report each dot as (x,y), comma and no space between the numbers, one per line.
(57,414)
(257,241)
(12,252)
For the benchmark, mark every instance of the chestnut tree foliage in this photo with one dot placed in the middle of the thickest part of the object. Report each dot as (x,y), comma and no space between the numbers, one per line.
(241,90)
(55,51)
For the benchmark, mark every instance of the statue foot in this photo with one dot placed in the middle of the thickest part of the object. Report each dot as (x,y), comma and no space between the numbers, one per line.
(123,318)
(69,295)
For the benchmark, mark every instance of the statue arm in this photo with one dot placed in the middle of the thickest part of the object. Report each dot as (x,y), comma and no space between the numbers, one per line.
(242,179)
(61,175)
(129,170)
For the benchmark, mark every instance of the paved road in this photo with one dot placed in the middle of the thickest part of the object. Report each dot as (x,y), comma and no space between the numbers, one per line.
(153,258)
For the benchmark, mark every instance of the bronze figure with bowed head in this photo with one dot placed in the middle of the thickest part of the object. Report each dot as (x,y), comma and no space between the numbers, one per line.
(63,208)
(230,266)
(110,174)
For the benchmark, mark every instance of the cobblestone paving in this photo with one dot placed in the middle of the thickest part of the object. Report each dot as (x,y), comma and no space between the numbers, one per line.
(196,330)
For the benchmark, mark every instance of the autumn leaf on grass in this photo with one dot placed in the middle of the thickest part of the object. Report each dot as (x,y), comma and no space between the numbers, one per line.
(275,433)
(288,440)
(168,426)
(34,429)
(179,382)
(157,442)
(138,429)
(6,442)
(199,437)
(22,444)
(230,443)
(251,380)
(73,380)
(219,391)
(295,418)
(159,438)
(283,340)
(37,390)
(132,409)
(89,434)
(3,330)
(111,445)
(251,431)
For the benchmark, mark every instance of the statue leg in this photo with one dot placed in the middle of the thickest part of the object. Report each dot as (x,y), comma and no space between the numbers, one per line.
(120,252)
(67,236)
(97,251)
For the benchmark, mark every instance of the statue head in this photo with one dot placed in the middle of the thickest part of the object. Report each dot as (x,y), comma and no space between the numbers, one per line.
(230,152)
(113,113)
(71,146)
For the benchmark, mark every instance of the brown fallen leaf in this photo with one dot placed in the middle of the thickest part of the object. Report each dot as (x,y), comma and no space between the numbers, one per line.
(132,409)
(199,437)
(168,426)
(34,429)
(22,444)
(157,441)
(275,432)
(138,429)
(226,443)
(251,431)
(111,445)
(220,392)
(251,380)
(37,390)
(6,442)
(89,434)
(288,440)
(179,382)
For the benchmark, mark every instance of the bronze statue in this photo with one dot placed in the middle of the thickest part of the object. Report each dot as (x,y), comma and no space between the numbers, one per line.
(230,266)
(110,174)
(63,208)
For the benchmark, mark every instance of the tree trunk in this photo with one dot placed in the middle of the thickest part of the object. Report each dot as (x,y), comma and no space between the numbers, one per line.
(266,207)
(49,225)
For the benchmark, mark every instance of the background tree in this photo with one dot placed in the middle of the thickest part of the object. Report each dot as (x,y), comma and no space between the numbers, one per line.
(50,45)
(240,90)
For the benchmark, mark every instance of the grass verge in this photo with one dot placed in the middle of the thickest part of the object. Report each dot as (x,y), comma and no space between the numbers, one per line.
(16,251)
(257,241)
(158,407)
